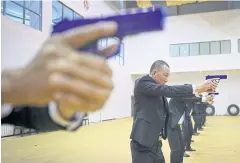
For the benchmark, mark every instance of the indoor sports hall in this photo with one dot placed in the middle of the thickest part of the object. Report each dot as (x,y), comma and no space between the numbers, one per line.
(199,38)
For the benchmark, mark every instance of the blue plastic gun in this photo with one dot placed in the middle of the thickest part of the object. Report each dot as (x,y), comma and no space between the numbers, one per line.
(216,77)
(131,22)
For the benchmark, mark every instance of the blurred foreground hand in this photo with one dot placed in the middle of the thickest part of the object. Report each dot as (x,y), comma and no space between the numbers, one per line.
(78,80)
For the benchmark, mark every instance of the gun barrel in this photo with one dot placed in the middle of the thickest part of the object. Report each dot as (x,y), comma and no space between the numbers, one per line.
(131,22)
(216,76)
(213,93)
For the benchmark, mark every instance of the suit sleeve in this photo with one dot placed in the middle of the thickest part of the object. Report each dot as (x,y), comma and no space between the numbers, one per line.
(152,89)
(35,117)
(192,99)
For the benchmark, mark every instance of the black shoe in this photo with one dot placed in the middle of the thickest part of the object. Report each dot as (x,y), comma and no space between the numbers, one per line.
(192,141)
(190,149)
(186,155)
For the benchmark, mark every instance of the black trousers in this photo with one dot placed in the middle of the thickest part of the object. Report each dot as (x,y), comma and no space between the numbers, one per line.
(197,122)
(187,132)
(176,143)
(142,154)
(204,119)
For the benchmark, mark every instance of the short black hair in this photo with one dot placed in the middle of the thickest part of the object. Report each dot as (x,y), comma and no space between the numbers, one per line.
(158,64)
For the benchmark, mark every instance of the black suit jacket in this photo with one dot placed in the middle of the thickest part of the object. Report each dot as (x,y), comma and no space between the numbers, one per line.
(177,107)
(152,108)
(35,117)
(201,107)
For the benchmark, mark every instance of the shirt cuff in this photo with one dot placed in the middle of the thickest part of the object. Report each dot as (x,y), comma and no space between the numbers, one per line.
(194,88)
(6,110)
(71,125)
(204,98)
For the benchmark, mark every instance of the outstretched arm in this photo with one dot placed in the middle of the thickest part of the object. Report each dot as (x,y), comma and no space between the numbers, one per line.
(152,89)
(193,99)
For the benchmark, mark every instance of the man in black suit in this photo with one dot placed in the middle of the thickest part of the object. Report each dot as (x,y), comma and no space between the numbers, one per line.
(151,106)
(177,112)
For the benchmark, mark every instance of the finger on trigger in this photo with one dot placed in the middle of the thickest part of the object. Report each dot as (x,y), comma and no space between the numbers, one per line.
(106,52)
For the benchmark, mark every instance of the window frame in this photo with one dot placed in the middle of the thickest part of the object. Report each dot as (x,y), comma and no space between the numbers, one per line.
(24,12)
(177,47)
(202,43)
(230,46)
(62,14)
(199,48)
(120,57)
(211,47)
(188,49)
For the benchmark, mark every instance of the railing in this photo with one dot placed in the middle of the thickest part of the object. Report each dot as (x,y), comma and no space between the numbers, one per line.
(7,130)
(12,130)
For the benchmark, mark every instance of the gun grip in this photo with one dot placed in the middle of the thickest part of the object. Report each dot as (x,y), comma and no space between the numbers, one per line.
(216,80)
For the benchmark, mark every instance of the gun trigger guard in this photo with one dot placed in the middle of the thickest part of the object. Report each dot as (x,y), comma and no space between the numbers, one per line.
(118,49)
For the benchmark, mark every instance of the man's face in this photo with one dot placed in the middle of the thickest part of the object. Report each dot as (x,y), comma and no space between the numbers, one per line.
(161,75)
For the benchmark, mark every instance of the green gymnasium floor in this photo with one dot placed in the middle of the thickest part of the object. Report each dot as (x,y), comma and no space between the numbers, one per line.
(108,142)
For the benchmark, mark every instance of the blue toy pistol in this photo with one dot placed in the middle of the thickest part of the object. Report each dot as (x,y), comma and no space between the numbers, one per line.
(131,22)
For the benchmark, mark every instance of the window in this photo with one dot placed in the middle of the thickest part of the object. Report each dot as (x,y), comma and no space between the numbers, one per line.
(204,48)
(2,6)
(119,57)
(184,49)
(61,11)
(215,47)
(57,10)
(25,12)
(77,16)
(174,50)
(67,13)
(106,42)
(226,47)
(194,49)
